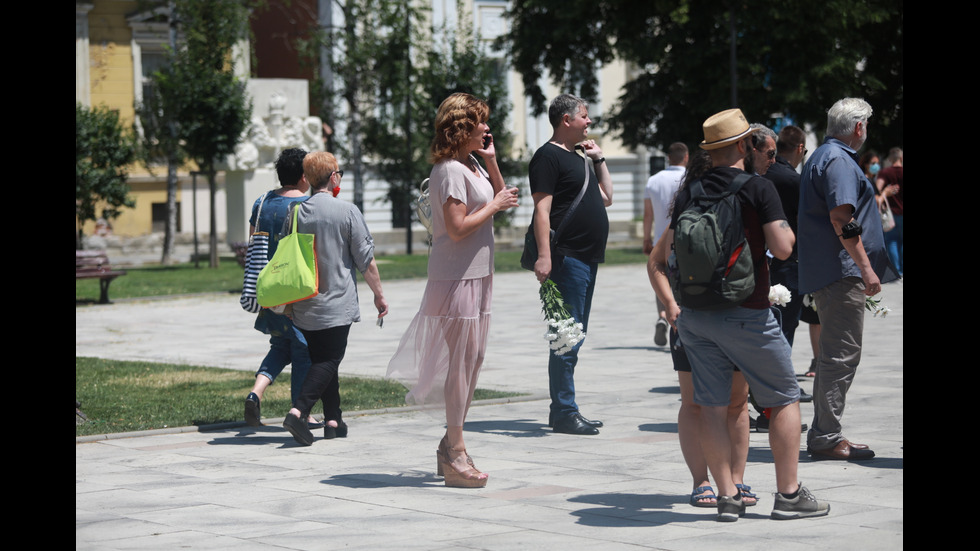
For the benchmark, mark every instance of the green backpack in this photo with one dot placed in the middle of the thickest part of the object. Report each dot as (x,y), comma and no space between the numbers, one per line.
(714,263)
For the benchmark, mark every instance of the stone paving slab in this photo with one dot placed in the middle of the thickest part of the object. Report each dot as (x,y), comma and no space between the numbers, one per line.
(627,488)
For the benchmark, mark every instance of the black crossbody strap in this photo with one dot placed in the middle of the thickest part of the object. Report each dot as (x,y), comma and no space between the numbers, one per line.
(578,199)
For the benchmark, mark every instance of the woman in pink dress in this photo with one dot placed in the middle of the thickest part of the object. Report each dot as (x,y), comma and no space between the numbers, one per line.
(440,355)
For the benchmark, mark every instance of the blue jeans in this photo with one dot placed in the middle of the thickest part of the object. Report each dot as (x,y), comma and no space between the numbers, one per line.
(576,282)
(287,345)
(895,244)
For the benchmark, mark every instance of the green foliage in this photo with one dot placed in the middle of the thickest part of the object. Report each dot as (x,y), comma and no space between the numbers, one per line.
(197,92)
(552,303)
(398,134)
(793,58)
(197,108)
(391,72)
(208,102)
(363,52)
(103,150)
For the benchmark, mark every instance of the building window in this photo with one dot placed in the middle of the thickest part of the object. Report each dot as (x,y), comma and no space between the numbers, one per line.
(159,215)
(151,38)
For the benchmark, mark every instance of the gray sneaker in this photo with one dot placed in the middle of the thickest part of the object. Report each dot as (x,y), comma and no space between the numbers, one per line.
(803,506)
(729,509)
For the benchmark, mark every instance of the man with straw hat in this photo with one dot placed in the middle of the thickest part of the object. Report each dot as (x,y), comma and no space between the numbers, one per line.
(746,336)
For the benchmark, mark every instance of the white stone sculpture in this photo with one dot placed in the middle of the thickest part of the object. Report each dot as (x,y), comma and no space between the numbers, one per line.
(265,137)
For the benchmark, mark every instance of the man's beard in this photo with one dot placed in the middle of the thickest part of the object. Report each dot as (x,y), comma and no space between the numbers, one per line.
(750,163)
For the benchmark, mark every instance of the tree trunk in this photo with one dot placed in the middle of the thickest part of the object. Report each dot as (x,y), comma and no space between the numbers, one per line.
(170,231)
(213,239)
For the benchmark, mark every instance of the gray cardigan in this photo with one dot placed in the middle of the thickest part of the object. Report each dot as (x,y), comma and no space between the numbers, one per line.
(343,243)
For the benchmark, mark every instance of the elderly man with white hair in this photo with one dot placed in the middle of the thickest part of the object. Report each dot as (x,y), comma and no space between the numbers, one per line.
(842,261)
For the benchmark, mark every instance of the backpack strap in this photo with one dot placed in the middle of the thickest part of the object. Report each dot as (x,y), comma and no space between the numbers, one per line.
(733,189)
(697,189)
(738,182)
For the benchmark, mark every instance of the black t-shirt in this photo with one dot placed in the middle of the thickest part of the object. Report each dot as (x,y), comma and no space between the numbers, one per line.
(760,205)
(561,173)
(787,182)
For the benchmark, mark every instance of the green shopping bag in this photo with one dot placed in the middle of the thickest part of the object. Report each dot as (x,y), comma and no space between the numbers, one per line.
(290,276)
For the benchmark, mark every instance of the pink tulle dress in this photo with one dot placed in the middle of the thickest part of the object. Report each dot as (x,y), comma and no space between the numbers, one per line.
(440,355)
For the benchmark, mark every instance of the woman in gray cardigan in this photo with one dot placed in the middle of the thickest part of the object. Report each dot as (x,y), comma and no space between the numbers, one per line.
(343,243)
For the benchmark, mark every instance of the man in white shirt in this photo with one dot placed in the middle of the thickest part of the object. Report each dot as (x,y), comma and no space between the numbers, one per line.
(660,191)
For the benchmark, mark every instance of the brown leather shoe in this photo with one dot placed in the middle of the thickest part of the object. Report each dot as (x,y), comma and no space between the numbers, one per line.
(844,451)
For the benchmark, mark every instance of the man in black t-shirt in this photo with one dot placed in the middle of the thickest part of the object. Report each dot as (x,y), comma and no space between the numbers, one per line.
(790,150)
(557,174)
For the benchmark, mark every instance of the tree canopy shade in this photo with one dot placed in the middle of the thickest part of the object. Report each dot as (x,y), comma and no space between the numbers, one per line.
(103,150)
(792,59)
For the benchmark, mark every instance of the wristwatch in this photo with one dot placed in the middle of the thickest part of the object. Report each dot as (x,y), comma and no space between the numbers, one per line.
(598,161)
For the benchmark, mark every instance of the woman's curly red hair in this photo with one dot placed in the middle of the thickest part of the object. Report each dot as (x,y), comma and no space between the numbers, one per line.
(458,116)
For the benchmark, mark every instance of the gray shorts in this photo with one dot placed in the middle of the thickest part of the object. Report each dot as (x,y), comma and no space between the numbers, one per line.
(718,341)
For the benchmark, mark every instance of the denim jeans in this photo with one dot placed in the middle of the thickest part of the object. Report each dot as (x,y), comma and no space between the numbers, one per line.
(287,347)
(576,282)
(895,244)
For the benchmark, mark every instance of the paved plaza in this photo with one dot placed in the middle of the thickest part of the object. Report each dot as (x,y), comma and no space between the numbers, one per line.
(240,487)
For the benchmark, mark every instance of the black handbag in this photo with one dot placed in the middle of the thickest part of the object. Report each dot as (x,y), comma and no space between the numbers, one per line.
(530,254)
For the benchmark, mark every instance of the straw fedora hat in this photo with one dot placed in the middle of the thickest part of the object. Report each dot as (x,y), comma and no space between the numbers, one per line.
(722,129)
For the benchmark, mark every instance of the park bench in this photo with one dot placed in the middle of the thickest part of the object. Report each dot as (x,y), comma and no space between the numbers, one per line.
(95,264)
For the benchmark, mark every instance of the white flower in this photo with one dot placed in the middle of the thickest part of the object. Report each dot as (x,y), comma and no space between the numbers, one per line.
(873,305)
(779,295)
(563,333)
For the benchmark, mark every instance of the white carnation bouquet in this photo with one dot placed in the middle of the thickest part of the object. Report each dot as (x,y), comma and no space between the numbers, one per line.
(563,331)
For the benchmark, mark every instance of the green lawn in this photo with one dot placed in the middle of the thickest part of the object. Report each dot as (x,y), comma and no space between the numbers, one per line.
(120,396)
(123,396)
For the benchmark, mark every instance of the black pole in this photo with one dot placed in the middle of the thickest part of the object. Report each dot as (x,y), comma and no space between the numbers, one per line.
(406,201)
(194,174)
